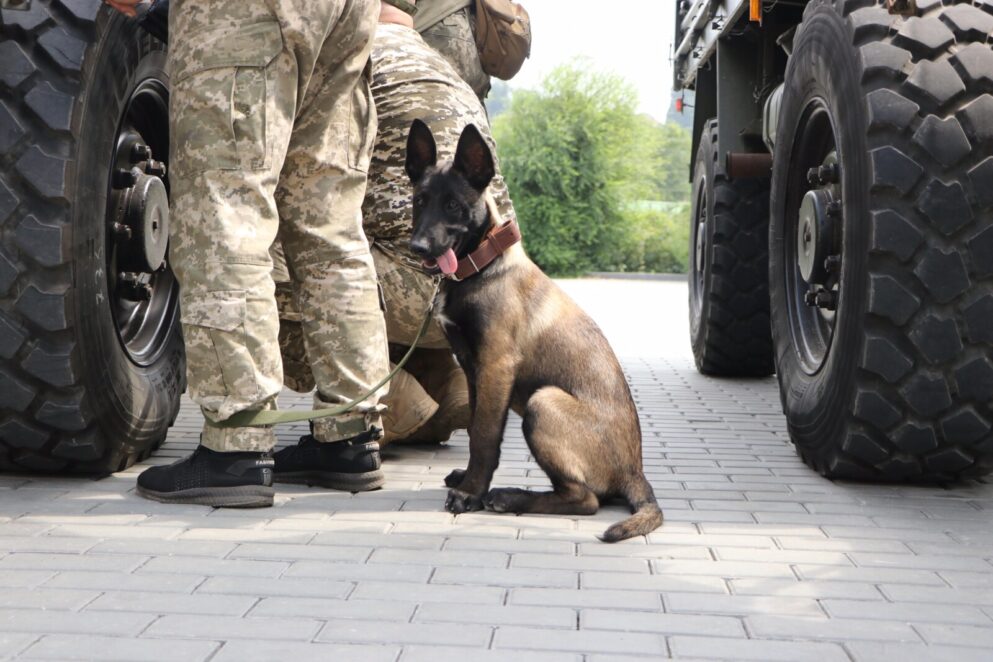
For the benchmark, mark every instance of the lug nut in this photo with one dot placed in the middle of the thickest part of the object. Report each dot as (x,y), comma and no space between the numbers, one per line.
(122,231)
(155,168)
(140,292)
(140,152)
(124,178)
(132,287)
(828,174)
(821,298)
(825,174)
(826,299)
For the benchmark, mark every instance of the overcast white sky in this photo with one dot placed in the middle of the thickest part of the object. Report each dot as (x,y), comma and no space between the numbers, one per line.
(629,37)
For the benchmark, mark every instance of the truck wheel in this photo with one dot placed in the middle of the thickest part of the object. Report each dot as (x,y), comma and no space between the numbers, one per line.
(91,360)
(728,275)
(881,242)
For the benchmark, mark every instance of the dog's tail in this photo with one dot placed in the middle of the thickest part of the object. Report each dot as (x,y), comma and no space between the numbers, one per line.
(647,515)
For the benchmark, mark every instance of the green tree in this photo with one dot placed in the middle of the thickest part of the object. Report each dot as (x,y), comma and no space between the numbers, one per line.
(571,153)
(597,187)
(670,154)
(654,240)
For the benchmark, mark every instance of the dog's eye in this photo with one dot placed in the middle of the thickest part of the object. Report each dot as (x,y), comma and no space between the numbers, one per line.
(452,206)
(419,200)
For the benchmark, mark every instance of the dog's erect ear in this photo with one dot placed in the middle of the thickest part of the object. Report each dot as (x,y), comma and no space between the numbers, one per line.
(473,159)
(422,153)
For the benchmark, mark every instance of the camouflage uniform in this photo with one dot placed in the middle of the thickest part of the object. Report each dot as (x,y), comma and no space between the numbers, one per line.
(272,127)
(449,27)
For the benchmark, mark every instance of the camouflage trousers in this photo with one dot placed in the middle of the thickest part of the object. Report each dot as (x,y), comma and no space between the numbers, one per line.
(271,132)
(406,292)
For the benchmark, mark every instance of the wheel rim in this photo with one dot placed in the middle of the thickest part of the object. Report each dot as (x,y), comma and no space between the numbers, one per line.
(813,241)
(698,249)
(143,296)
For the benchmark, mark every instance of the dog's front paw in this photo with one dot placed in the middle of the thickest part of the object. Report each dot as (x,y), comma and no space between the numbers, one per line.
(462,502)
(454,479)
(506,500)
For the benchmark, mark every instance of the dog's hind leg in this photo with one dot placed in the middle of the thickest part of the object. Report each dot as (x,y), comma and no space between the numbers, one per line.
(566,499)
(551,416)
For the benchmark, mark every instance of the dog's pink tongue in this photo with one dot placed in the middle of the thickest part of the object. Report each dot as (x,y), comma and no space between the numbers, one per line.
(448,263)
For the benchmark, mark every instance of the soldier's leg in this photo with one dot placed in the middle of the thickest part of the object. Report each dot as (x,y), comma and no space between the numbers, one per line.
(319,196)
(297,375)
(408,406)
(228,131)
(238,69)
(296,367)
(407,292)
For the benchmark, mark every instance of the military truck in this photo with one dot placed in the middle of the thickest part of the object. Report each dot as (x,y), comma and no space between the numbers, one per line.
(842,222)
(91,358)
(842,230)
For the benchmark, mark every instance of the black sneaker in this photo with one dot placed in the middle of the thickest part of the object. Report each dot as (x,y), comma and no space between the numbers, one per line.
(211,478)
(351,465)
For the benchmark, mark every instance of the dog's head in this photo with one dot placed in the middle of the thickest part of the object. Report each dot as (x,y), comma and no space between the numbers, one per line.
(450,214)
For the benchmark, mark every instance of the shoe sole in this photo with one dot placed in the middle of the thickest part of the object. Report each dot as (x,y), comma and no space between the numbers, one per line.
(247,496)
(347,482)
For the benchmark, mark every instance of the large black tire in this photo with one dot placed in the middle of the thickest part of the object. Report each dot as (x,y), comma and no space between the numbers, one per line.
(73,398)
(902,388)
(728,275)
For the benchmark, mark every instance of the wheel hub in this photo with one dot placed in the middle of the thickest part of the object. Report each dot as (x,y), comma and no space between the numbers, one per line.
(143,228)
(143,291)
(814,234)
(141,218)
(814,237)
(818,258)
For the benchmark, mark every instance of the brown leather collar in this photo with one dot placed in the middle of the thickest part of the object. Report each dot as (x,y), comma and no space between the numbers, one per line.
(497,240)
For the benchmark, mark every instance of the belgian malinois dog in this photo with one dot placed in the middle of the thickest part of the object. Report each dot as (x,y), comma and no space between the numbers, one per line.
(524,345)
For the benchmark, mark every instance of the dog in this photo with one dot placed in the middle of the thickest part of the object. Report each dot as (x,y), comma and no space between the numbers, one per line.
(524,345)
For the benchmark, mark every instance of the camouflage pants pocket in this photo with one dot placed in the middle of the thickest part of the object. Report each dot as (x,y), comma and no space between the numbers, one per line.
(222,94)
(217,351)
(407,294)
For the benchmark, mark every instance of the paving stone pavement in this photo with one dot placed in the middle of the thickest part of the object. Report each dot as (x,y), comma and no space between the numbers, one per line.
(759,558)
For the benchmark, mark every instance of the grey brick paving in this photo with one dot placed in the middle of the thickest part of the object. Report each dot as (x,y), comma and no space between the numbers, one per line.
(75,647)
(759,559)
(266,651)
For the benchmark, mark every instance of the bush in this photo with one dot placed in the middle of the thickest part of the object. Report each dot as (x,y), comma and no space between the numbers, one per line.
(654,240)
(576,157)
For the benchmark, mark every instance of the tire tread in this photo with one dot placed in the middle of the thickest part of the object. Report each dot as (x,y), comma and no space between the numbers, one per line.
(923,392)
(734,336)
(46,422)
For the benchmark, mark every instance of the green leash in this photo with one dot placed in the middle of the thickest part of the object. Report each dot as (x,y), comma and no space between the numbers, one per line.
(257,418)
